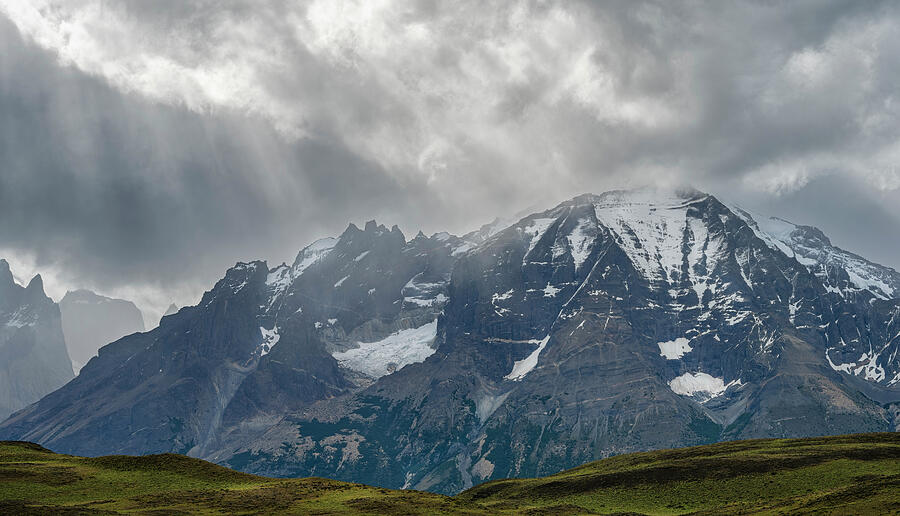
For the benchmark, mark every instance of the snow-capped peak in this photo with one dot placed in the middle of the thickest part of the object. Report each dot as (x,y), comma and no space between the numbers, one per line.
(655,227)
(812,248)
(313,253)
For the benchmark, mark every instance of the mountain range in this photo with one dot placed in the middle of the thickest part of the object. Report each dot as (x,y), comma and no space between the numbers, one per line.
(627,321)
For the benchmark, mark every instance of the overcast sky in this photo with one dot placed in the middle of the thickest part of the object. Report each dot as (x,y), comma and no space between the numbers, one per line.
(147,146)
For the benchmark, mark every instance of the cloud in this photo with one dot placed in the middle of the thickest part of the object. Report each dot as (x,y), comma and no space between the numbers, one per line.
(161,141)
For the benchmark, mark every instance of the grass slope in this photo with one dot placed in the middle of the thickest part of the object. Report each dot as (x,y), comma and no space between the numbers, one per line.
(854,474)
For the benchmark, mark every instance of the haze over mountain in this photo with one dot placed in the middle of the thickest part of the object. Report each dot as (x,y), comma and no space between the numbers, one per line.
(90,321)
(33,358)
(631,320)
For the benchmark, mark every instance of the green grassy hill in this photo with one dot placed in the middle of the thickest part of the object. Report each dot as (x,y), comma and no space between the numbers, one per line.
(854,474)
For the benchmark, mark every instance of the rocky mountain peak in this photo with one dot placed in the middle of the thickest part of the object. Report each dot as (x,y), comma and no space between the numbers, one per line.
(7,282)
(351,229)
(36,287)
(318,250)
(82,295)
(811,236)
(33,358)
(373,234)
(236,279)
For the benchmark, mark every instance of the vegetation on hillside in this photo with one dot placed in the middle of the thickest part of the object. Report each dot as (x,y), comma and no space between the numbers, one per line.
(854,474)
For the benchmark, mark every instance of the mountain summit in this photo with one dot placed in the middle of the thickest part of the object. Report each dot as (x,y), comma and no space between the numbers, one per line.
(33,358)
(626,321)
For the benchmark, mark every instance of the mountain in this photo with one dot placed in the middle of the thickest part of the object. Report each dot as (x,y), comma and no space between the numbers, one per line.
(220,370)
(173,308)
(90,321)
(852,474)
(33,358)
(627,321)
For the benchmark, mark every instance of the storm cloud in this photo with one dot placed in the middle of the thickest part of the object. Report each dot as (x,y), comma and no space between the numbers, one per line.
(146,146)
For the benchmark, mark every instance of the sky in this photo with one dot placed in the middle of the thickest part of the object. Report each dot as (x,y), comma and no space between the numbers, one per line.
(145,147)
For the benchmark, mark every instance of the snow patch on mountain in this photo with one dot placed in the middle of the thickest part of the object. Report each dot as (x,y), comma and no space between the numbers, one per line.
(270,338)
(22,317)
(462,249)
(649,227)
(773,231)
(534,231)
(550,290)
(867,366)
(706,250)
(312,253)
(700,385)
(496,297)
(660,233)
(424,293)
(399,349)
(674,349)
(279,278)
(865,279)
(502,297)
(811,248)
(527,364)
(581,241)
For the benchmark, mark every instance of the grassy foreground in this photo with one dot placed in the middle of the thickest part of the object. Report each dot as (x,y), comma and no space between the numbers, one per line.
(854,474)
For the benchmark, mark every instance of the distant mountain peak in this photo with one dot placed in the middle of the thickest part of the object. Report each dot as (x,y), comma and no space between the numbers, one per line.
(85,296)
(33,358)
(36,285)
(91,321)
(6,277)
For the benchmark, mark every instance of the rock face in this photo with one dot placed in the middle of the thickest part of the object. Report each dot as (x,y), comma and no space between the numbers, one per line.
(33,358)
(613,323)
(90,321)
